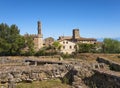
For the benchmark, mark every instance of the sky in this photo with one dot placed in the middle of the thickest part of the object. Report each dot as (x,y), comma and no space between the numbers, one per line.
(94,18)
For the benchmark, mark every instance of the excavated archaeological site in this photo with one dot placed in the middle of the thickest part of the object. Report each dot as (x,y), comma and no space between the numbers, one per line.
(82,71)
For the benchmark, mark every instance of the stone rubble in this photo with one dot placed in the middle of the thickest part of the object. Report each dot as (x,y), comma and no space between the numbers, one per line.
(76,73)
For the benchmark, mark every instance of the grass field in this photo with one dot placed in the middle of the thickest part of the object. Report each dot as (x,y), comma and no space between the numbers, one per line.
(53,83)
(90,57)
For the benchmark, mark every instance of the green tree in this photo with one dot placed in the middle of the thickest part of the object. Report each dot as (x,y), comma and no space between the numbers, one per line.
(56,45)
(29,44)
(16,40)
(85,48)
(41,52)
(111,45)
(4,31)
(4,47)
(11,41)
(17,45)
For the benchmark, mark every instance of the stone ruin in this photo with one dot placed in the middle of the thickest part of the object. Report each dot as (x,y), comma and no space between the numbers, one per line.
(78,74)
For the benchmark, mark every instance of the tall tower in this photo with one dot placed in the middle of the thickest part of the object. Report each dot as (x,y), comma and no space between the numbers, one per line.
(76,33)
(39,27)
(38,41)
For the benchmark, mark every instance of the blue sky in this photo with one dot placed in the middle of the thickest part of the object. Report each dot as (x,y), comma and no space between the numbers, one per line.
(94,18)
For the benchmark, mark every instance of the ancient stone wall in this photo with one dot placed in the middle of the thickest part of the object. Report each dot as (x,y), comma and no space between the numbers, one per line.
(113,65)
(79,74)
(103,79)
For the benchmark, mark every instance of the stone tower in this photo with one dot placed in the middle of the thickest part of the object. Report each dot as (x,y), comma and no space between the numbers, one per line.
(38,41)
(76,34)
(39,27)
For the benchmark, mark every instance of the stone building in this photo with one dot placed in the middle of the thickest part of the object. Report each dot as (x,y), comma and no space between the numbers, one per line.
(68,42)
(38,40)
(77,38)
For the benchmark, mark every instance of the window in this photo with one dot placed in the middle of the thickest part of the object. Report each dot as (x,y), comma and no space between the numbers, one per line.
(63,47)
(75,47)
(63,42)
(70,47)
(67,42)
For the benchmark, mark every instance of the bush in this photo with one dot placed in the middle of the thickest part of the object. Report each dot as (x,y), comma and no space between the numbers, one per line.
(67,55)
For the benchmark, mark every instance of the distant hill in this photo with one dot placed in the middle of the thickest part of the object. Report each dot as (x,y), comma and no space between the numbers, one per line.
(101,39)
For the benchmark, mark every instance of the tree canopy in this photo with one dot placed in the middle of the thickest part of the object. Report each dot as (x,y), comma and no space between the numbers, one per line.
(85,48)
(11,42)
(56,45)
(111,46)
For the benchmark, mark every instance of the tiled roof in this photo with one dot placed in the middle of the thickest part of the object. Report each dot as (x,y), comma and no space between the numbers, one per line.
(86,39)
(78,39)
(65,38)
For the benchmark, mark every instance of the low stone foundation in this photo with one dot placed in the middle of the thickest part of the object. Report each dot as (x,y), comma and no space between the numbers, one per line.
(78,74)
(103,79)
(113,65)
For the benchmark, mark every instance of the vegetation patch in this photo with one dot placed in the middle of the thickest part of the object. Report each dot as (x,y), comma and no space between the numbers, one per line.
(53,83)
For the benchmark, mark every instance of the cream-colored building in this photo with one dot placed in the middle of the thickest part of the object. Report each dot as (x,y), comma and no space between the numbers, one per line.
(68,47)
(77,38)
(68,42)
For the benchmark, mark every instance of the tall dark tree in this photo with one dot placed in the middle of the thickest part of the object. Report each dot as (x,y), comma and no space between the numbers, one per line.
(11,41)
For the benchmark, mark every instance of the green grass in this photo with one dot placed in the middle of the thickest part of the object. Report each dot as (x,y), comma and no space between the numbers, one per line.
(44,84)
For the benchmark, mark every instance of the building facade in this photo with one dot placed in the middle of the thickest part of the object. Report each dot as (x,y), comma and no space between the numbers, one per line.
(68,47)
(77,38)
(68,42)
